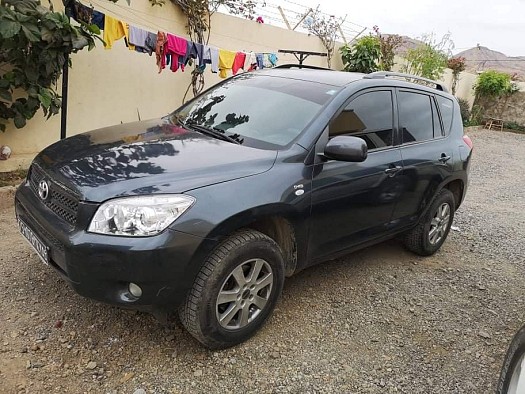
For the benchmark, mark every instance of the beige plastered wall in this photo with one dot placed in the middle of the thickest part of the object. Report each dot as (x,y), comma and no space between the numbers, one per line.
(108,87)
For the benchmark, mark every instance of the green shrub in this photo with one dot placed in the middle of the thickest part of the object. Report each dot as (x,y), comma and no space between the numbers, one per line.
(464,108)
(514,127)
(493,83)
(363,56)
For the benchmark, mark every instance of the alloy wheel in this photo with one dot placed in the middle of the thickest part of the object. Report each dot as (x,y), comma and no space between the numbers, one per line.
(244,294)
(439,224)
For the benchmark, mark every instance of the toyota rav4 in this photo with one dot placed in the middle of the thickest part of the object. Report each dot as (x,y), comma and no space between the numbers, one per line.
(207,210)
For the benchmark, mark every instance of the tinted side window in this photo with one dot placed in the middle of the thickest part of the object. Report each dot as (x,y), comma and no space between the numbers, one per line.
(370,117)
(415,117)
(446,107)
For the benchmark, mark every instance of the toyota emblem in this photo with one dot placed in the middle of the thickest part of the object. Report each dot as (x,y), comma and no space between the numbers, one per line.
(43,190)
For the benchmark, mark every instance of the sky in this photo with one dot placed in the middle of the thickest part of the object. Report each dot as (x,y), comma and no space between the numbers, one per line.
(498,25)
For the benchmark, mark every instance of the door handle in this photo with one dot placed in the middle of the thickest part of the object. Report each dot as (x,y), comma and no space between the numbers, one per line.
(393,170)
(444,158)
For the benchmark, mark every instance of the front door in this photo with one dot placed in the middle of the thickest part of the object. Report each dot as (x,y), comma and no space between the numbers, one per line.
(354,202)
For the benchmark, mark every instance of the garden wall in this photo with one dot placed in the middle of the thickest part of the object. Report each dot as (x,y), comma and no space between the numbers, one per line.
(511,110)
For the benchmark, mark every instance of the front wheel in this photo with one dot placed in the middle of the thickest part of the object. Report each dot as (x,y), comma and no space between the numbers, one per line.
(512,377)
(235,291)
(427,237)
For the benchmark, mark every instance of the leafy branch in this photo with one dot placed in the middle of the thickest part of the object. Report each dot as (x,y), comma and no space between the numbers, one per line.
(34,46)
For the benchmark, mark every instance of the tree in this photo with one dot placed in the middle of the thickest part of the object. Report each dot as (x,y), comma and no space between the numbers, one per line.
(34,45)
(363,56)
(429,59)
(388,43)
(325,28)
(457,65)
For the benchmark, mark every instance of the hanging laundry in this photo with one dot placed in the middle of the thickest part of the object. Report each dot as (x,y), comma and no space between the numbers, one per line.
(151,43)
(137,37)
(113,30)
(266,61)
(272,58)
(84,14)
(199,50)
(250,63)
(191,53)
(260,60)
(131,47)
(160,50)
(176,47)
(226,59)
(238,62)
(211,56)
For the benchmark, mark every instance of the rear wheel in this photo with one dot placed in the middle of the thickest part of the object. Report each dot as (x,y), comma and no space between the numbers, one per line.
(235,291)
(427,237)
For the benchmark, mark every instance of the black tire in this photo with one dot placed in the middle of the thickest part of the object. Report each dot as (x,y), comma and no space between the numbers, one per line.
(512,358)
(200,312)
(417,240)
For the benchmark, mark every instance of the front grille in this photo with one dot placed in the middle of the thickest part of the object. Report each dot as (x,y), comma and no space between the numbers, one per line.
(61,201)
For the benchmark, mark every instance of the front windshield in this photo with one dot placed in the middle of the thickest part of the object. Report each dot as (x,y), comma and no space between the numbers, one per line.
(264,111)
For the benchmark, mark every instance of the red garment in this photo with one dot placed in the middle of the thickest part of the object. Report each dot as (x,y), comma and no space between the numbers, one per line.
(238,62)
(176,46)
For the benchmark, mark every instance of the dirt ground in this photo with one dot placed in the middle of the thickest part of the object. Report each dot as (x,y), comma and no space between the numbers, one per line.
(379,321)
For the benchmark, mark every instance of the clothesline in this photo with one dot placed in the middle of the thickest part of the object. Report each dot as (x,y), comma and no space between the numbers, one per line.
(170,49)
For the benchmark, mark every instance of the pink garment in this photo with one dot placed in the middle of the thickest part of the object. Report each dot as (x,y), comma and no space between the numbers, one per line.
(238,62)
(176,46)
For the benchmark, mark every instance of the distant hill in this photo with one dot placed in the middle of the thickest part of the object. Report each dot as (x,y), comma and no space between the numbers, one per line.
(479,59)
(482,58)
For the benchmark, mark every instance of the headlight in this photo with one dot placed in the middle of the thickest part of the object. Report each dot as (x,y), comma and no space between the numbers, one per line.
(139,216)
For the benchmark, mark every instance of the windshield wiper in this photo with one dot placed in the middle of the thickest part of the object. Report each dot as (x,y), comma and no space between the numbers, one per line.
(215,132)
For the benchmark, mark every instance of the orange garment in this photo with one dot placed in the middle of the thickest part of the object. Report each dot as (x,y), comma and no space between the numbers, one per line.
(226,59)
(114,30)
(160,50)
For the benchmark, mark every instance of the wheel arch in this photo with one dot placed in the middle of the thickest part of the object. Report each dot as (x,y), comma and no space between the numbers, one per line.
(277,221)
(457,187)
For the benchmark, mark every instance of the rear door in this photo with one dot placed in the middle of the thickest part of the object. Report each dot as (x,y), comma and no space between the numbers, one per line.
(426,151)
(354,202)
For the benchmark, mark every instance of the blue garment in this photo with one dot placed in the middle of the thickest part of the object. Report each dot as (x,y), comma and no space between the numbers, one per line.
(272,57)
(260,60)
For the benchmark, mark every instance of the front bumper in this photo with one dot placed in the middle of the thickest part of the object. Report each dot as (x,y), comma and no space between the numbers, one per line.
(101,267)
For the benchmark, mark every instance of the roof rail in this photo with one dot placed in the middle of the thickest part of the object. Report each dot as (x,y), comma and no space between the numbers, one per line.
(410,78)
(303,66)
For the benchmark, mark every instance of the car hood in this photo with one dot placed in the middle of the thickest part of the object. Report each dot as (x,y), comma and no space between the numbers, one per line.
(147,157)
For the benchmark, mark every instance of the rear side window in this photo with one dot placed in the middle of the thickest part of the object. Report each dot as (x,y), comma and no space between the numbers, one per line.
(417,117)
(446,107)
(370,117)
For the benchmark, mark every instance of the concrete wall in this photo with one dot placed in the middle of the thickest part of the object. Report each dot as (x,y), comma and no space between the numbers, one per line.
(114,86)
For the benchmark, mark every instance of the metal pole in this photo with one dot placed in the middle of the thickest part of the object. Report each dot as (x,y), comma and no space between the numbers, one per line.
(63,111)
(65,80)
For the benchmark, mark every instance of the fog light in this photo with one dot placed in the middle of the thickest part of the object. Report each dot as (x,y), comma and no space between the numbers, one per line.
(135,290)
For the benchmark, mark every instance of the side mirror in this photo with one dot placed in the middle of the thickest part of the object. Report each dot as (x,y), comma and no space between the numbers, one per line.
(346,148)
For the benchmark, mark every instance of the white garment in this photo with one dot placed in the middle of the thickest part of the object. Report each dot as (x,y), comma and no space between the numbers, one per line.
(250,60)
(211,55)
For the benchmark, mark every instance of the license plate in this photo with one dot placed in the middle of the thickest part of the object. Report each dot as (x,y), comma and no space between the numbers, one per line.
(40,248)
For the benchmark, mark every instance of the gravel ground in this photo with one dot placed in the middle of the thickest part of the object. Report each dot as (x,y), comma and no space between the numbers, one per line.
(379,321)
